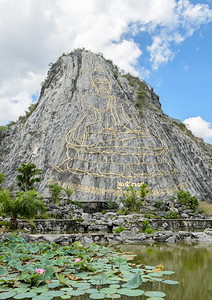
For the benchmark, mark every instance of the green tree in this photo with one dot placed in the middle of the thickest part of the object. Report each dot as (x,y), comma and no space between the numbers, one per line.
(185,198)
(134,199)
(55,191)
(25,204)
(144,191)
(26,180)
(132,202)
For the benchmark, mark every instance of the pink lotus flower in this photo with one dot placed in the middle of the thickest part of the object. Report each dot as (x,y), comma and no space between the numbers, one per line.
(40,271)
(77,260)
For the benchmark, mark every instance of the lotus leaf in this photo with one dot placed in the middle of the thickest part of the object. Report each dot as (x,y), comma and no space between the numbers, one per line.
(114,296)
(65,297)
(91,291)
(122,291)
(134,293)
(171,282)
(134,282)
(150,267)
(3,271)
(116,286)
(53,293)
(66,289)
(76,293)
(167,272)
(154,294)
(53,284)
(7,295)
(25,295)
(40,297)
(108,291)
(97,296)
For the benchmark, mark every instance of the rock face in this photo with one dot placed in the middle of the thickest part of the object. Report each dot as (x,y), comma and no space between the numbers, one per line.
(98,132)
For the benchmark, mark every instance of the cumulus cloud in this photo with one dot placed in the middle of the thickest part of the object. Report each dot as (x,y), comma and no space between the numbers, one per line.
(35,32)
(200,128)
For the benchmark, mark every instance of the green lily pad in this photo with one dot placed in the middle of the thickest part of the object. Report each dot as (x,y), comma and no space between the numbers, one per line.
(39,289)
(150,267)
(115,286)
(154,274)
(154,294)
(76,293)
(66,289)
(97,296)
(108,291)
(53,293)
(122,291)
(25,295)
(156,279)
(40,297)
(65,297)
(81,285)
(91,291)
(134,282)
(134,293)
(54,284)
(114,296)
(170,281)
(3,271)
(167,272)
(7,295)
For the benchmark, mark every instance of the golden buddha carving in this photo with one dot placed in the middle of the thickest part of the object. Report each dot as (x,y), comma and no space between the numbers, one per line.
(108,139)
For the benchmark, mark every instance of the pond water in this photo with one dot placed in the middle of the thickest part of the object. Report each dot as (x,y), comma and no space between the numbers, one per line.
(192,264)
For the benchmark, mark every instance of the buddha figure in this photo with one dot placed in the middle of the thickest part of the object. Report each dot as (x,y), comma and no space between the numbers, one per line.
(109,141)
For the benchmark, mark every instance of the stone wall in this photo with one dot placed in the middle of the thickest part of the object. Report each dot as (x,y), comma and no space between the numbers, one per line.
(57,226)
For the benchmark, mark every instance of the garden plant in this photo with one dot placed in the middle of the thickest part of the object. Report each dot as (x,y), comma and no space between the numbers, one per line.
(42,271)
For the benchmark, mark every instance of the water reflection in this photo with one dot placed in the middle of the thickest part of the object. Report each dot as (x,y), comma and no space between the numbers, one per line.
(192,264)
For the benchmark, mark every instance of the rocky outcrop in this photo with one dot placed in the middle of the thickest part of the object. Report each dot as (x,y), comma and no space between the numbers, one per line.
(97,132)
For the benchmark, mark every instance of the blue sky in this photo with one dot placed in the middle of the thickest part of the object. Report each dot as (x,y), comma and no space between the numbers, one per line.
(168,43)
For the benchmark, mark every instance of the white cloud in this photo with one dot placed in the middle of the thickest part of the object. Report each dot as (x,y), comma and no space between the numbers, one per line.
(35,32)
(200,128)
(13,100)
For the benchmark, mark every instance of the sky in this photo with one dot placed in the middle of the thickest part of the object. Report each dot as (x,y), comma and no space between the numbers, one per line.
(167,43)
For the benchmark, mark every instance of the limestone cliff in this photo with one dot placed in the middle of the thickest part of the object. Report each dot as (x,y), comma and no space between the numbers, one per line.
(97,132)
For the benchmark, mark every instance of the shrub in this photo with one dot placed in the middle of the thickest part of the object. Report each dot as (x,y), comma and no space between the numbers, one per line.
(68,192)
(120,229)
(2,178)
(27,179)
(115,74)
(55,191)
(79,204)
(111,204)
(79,219)
(171,215)
(145,224)
(144,191)
(185,198)
(149,230)
(26,204)
(158,204)
(133,202)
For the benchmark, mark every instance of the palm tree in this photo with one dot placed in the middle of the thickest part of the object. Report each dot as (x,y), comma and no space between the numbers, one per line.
(25,204)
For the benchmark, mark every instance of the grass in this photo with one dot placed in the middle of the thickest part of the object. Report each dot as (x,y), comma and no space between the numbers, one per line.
(207,207)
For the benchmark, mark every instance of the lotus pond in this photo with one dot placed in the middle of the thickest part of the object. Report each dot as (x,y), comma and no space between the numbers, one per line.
(192,264)
(49,271)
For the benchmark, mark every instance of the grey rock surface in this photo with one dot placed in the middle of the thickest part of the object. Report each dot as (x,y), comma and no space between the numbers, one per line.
(89,132)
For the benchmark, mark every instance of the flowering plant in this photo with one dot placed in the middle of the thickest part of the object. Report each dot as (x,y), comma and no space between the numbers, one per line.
(40,271)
